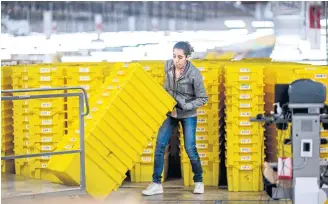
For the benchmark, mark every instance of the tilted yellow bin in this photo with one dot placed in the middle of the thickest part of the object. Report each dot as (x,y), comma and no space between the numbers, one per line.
(128,110)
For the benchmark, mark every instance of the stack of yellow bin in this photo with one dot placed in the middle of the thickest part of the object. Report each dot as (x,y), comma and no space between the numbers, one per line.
(38,123)
(126,112)
(155,69)
(244,140)
(7,145)
(88,76)
(207,131)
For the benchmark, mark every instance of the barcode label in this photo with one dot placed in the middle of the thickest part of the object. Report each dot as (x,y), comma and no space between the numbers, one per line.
(244,78)
(245,114)
(45,147)
(245,132)
(201,68)
(201,120)
(94,109)
(245,96)
(45,105)
(201,112)
(204,163)
(26,119)
(84,70)
(245,158)
(72,139)
(46,157)
(323,150)
(115,80)
(320,76)
(244,105)
(120,72)
(245,149)
(201,146)
(245,87)
(146,68)
(245,123)
(200,138)
(146,159)
(45,113)
(68,147)
(46,139)
(245,141)
(45,87)
(105,94)
(46,122)
(45,78)
(44,70)
(84,78)
(147,151)
(244,70)
(200,130)
(110,87)
(99,102)
(46,130)
(202,155)
(44,165)
(245,167)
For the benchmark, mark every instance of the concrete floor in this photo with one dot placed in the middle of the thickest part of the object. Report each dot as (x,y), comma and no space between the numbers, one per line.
(129,193)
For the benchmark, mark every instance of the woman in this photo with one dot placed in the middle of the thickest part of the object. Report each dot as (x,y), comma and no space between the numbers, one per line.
(184,82)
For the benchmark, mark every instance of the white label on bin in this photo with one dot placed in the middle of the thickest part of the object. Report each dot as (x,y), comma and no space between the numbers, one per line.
(244,78)
(116,80)
(200,138)
(84,78)
(147,151)
(245,114)
(46,122)
(245,87)
(118,87)
(44,165)
(72,139)
(25,78)
(45,105)
(86,87)
(323,150)
(110,87)
(146,159)
(44,70)
(77,131)
(46,130)
(89,116)
(68,147)
(46,157)
(201,146)
(26,102)
(126,65)
(84,69)
(46,147)
(244,105)
(201,120)
(245,132)
(245,141)
(45,87)
(204,162)
(200,130)
(245,96)
(201,68)
(45,113)
(201,112)
(245,123)
(27,135)
(46,139)
(26,119)
(94,109)
(202,155)
(245,158)
(105,94)
(120,72)
(245,167)
(147,68)
(99,102)
(321,76)
(27,127)
(245,149)
(27,142)
(26,110)
(45,78)
(244,70)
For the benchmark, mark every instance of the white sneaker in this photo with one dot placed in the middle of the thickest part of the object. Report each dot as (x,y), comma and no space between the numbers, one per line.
(153,189)
(199,188)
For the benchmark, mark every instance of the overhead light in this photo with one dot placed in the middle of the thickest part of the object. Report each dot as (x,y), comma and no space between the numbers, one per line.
(235,24)
(262,24)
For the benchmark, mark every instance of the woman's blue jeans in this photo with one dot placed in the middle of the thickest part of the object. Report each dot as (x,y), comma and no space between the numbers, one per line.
(164,134)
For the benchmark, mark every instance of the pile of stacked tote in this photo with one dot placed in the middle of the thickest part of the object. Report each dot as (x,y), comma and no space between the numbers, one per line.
(126,112)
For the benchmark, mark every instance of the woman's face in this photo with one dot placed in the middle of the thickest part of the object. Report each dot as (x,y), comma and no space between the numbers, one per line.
(179,58)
